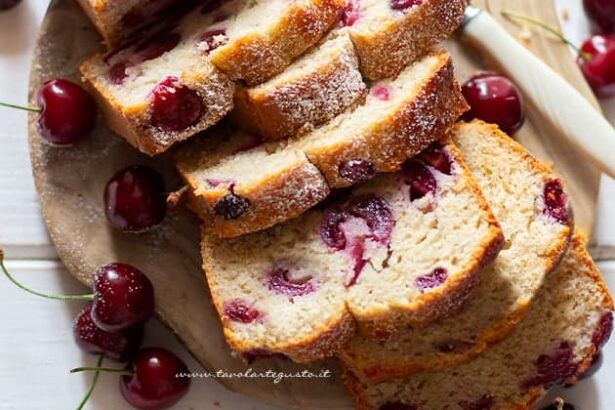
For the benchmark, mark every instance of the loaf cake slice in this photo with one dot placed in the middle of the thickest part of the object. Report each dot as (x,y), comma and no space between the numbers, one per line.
(164,87)
(533,211)
(262,37)
(314,89)
(389,34)
(366,254)
(567,323)
(399,118)
(117,20)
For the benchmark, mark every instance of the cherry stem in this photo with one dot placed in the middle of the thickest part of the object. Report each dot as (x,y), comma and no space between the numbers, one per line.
(550,29)
(21,107)
(34,292)
(88,394)
(97,369)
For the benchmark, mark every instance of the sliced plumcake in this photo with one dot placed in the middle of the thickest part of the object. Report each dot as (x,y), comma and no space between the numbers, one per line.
(399,118)
(533,210)
(364,255)
(164,88)
(389,34)
(567,323)
(262,37)
(117,20)
(317,87)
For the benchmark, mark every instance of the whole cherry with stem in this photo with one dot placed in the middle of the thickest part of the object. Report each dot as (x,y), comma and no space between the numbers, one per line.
(595,57)
(67,113)
(152,381)
(123,296)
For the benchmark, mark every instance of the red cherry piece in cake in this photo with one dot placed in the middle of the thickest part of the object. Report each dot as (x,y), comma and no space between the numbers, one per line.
(119,346)
(175,107)
(357,170)
(231,206)
(377,214)
(420,179)
(212,39)
(603,330)
(351,13)
(432,280)
(483,403)
(330,230)
(155,382)
(356,251)
(281,282)
(495,99)
(553,368)
(68,112)
(123,297)
(381,92)
(135,199)
(599,68)
(8,4)
(157,45)
(601,14)
(239,311)
(556,202)
(397,406)
(118,73)
(404,5)
(437,158)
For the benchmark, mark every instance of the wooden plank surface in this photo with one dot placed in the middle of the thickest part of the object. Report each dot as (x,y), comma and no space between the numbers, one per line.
(37,349)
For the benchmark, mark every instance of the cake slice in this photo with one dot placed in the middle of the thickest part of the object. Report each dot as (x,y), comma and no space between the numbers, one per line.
(567,323)
(365,255)
(533,211)
(314,89)
(164,87)
(262,37)
(389,34)
(399,118)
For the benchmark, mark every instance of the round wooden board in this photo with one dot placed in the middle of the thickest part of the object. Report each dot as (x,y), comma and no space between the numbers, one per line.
(70,183)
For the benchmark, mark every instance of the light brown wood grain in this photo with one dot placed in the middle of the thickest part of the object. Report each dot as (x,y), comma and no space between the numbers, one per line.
(70,184)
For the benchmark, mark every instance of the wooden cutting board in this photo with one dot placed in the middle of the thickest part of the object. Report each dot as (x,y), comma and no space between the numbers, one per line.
(70,183)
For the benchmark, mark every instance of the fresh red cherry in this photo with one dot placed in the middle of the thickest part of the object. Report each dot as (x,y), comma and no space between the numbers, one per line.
(601,14)
(175,107)
(135,199)
(8,4)
(597,61)
(155,382)
(68,112)
(124,297)
(494,99)
(119,346)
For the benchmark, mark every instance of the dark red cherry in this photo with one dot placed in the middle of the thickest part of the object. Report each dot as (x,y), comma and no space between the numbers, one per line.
(357,170)
(212,39)
(351,12)
(602,14)
(553,368)
(156,381)
(556,201)
(598,64)
(603,330)
(175,107)
(420,179)
(330,230)
(432,280)
(135,199)
(239,311)
(436,157)
(231,206)
(68,112)
(376,212)
(123,297)
(120,346)
(280,282)
(495,99)
(8,4)
(403,5)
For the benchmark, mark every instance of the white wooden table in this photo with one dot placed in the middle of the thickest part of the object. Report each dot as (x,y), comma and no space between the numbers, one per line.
(36,346)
